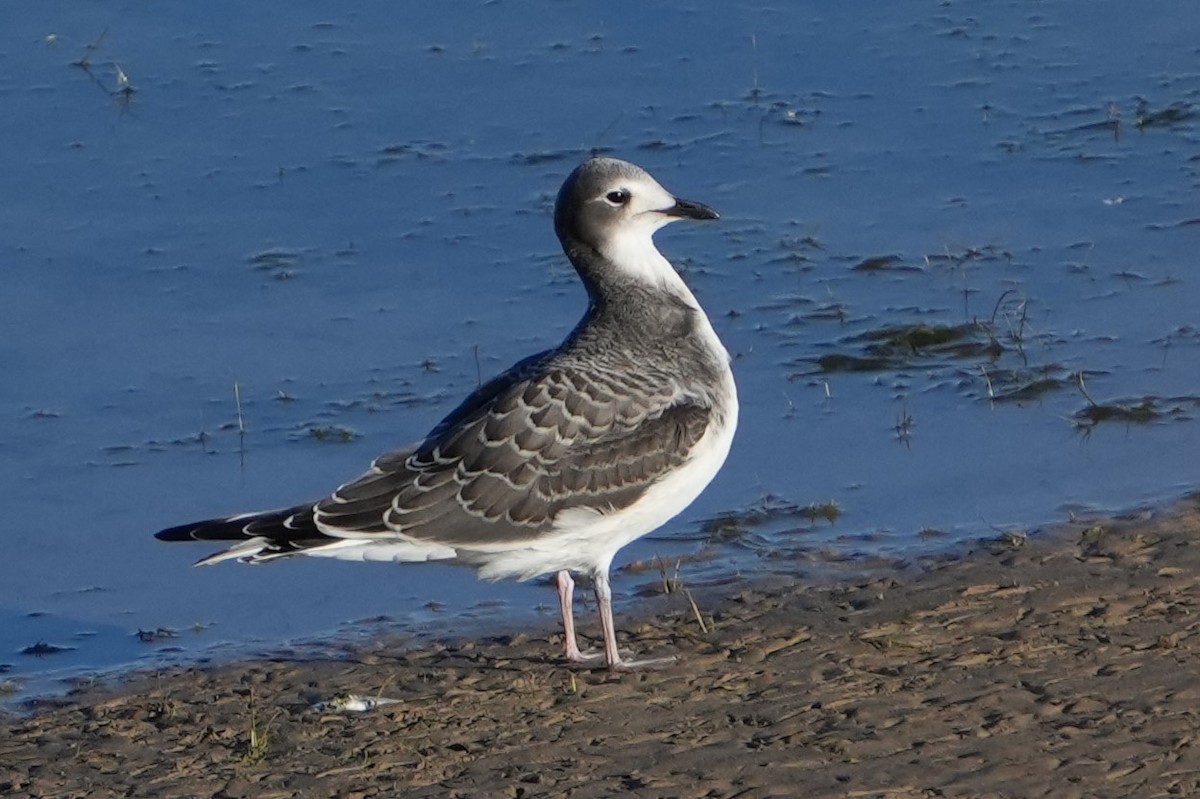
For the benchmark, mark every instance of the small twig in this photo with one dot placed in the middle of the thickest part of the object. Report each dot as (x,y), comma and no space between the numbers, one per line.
(616,121)
(1083,389)
(670,584)
(340,770)
(904,425)
(755,91)
(791,406)
(996,310)
(85,61)
(704,628)
(237,400)
(988,380)
(383,687)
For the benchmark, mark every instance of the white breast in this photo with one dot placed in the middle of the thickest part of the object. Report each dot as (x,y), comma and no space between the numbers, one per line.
(587,540)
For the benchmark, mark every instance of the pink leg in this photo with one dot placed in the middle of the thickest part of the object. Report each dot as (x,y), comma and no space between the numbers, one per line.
(604,599)
(612,656)
(566,596)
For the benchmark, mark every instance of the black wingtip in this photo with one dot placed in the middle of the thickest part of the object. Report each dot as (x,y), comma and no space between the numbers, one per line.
(219,529)
(184,532)
(271,523)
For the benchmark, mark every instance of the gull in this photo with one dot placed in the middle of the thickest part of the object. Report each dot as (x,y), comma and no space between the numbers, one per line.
(556,464)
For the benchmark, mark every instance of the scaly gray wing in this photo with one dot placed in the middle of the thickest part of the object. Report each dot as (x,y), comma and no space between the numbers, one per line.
(518,452)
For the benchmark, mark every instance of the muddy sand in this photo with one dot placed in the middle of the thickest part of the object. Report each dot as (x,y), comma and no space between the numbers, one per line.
(1064,665)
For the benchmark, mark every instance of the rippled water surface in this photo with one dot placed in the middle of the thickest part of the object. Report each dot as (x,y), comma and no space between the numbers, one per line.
(957,267)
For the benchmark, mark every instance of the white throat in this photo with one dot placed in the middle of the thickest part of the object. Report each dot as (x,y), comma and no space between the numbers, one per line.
(631,250)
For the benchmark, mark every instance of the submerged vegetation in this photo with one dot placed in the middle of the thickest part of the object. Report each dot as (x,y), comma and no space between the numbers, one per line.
(989,359)
(770,509)
(277,262)
(42,649)
(894,347)
(1024,384)
(1143,410)
(330,432)
(900,346)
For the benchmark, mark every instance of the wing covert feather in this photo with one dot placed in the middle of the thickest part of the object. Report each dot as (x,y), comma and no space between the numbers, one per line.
(514,455)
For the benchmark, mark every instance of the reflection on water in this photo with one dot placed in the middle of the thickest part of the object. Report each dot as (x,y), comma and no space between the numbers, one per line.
(956,268)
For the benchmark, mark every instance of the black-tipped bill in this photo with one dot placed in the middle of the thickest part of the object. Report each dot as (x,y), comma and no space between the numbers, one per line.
(690,210)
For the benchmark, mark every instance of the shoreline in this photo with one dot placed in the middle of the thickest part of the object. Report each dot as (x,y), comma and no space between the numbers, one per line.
(1059,665)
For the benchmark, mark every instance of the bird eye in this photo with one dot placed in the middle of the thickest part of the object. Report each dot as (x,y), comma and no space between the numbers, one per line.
(618,197)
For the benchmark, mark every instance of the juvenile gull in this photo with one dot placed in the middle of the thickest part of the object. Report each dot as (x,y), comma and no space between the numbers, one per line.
(571,454)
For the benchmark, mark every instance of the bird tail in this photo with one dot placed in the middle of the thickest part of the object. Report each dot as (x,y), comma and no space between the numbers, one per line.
(232,528)
(260,536)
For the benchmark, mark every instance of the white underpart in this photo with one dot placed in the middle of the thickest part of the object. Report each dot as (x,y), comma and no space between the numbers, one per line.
(392,550)
(586,540)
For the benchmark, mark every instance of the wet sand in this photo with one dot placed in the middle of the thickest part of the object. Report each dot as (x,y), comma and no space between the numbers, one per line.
(1064,665)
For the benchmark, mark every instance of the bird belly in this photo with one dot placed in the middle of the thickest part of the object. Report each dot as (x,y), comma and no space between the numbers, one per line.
(390,550)
(586,540)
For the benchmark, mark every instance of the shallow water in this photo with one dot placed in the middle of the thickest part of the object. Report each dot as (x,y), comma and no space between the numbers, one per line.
(346,217)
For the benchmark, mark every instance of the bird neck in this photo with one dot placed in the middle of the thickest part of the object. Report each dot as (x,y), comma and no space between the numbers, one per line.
(625,265)
(651,308)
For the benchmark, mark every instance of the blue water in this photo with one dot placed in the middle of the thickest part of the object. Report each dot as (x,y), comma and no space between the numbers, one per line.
(345,214)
